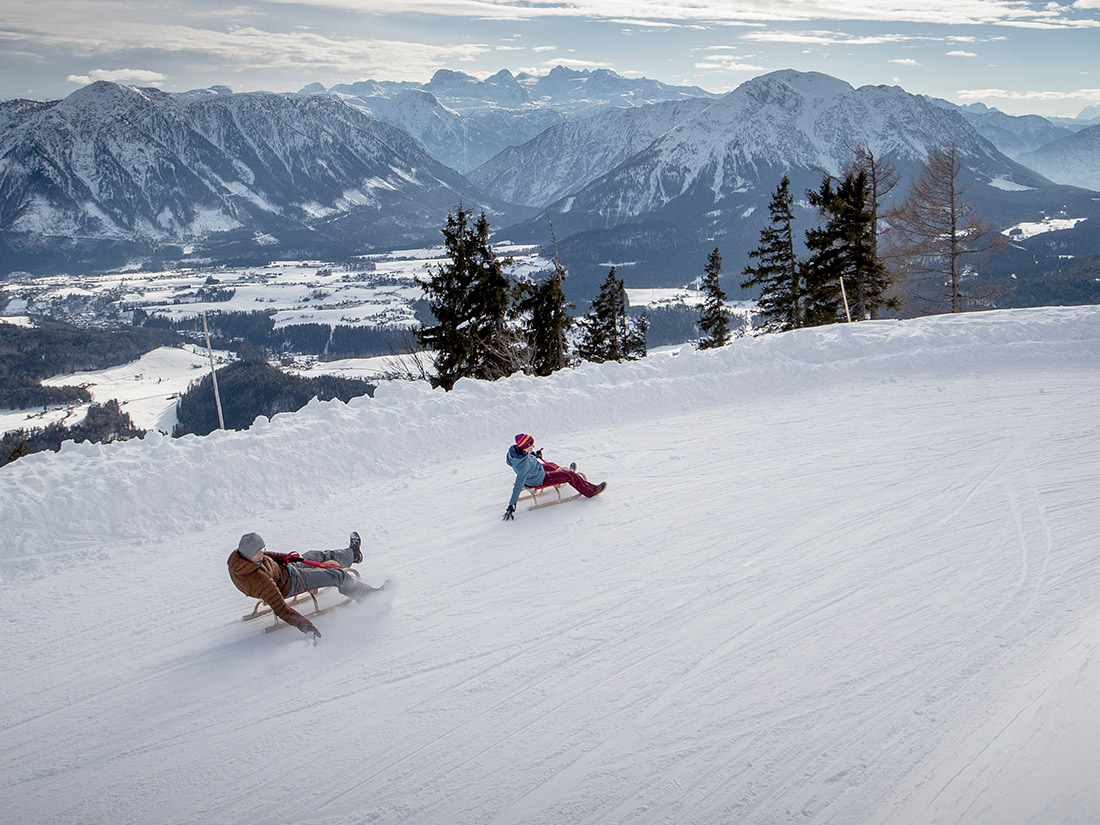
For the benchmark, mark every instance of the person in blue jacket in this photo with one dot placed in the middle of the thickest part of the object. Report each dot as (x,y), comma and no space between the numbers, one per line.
(531,471)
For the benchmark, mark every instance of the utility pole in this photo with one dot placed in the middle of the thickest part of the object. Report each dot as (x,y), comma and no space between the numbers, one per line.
(213,373)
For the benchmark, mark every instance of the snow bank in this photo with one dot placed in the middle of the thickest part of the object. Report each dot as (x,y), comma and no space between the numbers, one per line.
(161,483)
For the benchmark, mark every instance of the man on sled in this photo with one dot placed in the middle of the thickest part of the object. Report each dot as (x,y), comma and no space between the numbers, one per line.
(276,577)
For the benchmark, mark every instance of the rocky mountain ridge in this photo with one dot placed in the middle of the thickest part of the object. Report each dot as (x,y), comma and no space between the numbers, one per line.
(114,172)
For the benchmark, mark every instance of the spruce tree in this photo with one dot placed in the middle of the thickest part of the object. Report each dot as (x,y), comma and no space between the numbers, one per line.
(714,321)
(602,329)
(843,263)
(778,273)
(635,345)
(882,177)
(546,323)
(607,334)
(469,297)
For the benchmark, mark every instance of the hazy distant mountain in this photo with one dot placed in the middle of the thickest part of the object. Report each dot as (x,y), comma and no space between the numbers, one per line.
(459,141)
(1089,113)
(565,158)
(1073,160)
(463,121)
(574,92)
(113,172)
(1011,134)
(463,92)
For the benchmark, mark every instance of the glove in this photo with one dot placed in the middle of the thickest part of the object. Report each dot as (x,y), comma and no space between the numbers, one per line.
(312,632)
(538,453)
(510,513)
(292,557)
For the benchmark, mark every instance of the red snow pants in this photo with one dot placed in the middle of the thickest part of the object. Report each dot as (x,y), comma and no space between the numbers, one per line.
(559,475)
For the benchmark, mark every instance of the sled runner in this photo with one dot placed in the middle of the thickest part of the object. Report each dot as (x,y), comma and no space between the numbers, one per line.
(540,495)
(262,609)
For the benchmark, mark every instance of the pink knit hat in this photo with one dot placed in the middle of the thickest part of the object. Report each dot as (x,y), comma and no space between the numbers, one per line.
(523,441)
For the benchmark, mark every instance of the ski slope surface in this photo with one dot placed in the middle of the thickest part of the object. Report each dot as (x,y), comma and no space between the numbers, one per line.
(844,575)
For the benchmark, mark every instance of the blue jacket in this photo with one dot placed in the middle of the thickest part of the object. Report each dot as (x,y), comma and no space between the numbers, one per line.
(529,471)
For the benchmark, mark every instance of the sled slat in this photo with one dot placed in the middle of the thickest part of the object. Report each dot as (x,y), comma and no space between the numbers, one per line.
(262,609)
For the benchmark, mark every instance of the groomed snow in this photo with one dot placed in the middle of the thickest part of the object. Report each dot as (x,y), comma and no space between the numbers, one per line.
(845,575)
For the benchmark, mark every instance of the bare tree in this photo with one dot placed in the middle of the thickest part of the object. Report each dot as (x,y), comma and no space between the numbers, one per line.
(410,363)
(936,236)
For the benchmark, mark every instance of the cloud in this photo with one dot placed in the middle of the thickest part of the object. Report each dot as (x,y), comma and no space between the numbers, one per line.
(905,61)
(728,64)
(127,77)
(718,12)
(960,53)
(1004,94)
(824,38)
(84,33)
(646,24)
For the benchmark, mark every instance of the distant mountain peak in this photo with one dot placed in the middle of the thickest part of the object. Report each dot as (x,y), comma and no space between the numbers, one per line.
(1089,113)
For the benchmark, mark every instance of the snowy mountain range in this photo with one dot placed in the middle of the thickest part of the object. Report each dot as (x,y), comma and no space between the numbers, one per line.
(564,157)
(707,181)
(114,171)
(569,91)
(463,121)
(630,171)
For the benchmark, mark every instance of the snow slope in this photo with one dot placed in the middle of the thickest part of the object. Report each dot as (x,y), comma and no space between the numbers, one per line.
(844,575)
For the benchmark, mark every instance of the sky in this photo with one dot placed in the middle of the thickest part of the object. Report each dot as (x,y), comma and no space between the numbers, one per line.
(1020,56)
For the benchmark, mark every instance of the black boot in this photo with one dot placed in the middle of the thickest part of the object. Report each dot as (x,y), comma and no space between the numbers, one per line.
(356,545)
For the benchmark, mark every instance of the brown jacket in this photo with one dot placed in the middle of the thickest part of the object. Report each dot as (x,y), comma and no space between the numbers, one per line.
(269,581)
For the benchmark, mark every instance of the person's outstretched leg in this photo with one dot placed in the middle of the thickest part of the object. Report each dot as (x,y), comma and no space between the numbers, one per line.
(575,480)
(345,556)
(304,577)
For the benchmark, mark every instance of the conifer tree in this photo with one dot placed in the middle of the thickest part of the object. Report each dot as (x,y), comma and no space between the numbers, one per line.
(882,177)
(778,273)
(607,334)
(603,327)
(469,297)
(635,345)
(843,263)
(714,320)
(546,323)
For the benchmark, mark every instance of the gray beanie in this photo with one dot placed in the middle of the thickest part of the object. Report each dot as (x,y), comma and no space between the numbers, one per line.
(251,544)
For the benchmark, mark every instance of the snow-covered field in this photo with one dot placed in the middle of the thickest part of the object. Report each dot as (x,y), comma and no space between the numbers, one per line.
(147,389)
(1029,229)
(379,291)
(844,575)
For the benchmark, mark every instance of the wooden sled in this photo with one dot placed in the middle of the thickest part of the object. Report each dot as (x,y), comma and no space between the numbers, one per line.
(540,495)
(262,609)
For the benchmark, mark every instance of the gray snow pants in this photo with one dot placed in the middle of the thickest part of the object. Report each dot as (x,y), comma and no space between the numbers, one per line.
(303,577)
